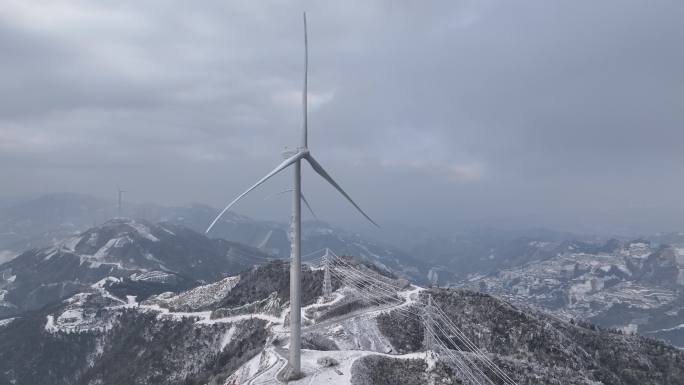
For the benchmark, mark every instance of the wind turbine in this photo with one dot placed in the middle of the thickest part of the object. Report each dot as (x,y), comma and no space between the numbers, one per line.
(295,160)
(120,194)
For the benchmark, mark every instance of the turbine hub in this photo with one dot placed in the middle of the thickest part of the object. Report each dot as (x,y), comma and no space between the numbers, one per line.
(289,153)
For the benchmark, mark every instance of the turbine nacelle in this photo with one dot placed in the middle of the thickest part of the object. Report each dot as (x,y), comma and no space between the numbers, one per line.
(290,152)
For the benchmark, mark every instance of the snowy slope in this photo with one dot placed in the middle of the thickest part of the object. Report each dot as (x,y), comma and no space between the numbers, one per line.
(148,258)
(635,287)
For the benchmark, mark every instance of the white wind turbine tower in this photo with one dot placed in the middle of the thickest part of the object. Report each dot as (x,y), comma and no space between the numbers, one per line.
(295,160)
(120,194)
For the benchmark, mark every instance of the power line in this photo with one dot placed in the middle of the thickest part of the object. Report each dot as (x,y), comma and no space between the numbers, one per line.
(435,321)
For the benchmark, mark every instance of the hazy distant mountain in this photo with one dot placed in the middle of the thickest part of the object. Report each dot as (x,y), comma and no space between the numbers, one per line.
(51,218)
(55,217)
(231,332)
(453,258)
(164,255)
(47,220)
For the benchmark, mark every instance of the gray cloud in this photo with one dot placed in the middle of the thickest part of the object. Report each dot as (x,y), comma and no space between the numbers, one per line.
(530,113)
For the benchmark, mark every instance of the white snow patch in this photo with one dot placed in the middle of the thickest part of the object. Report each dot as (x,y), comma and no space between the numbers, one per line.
(101,283)
(208,321)
(5,322)
(154,276)
(51,253)
(167,230)
(71,316)
(152,258)
(264,365)
(71,243)
(104,250)
(143,231)
(50,324)
(680,326)
(7,255)
(630,329)
(204,295)
(680,256)
(227,337)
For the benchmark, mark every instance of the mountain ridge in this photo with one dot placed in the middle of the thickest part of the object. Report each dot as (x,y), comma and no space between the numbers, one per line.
(90,337)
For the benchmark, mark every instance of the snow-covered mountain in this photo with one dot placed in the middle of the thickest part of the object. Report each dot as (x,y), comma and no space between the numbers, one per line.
(156,256)
(234,331)
(635,286)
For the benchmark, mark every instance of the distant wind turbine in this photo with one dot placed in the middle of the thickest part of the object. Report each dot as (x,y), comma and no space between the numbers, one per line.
(295,160)
(120,194)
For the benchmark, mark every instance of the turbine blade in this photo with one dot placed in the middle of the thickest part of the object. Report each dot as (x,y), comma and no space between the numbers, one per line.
(278,169)
(321,171)
(305,129)
(309,207)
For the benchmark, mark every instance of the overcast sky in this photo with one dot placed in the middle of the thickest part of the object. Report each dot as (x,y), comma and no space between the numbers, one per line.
(563,114)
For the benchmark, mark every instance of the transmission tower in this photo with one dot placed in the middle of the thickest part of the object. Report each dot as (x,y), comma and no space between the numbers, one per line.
(429,328)
(327,284)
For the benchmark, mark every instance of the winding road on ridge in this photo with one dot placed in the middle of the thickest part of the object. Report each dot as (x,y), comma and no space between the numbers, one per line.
(314,373)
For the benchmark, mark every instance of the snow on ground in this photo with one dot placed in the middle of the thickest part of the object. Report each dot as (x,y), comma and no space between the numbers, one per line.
(681,326)
(630,329)
(335,375)
(227,337)
(263,368)
(51,253)
(680,256)
(5,322)
(83,312)
(201,317)
(101,283)
(150,257)
(358,333)
(104,251)
(166,230)
(355,333)
(80,315)
(208,321)
(7,255)
(638,250)
(201,296)
(100,287)
(50,324)
(152,276)
(71,243)
(143,231)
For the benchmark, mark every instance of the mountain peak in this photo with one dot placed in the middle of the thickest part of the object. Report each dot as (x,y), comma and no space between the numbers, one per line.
(123,248)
